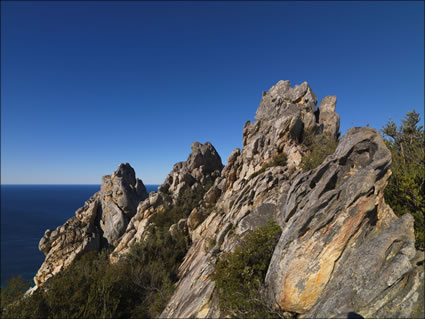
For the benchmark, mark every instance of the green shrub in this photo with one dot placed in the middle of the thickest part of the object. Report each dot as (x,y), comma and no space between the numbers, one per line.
(153,266)
(320,146)
(280,160)
(239,275)
(15,288)
(406,187)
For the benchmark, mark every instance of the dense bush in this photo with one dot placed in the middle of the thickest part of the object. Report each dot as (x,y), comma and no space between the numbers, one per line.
(15,289)
(319,147)
(405,192)
(280,159)
(138,286)
(239,275)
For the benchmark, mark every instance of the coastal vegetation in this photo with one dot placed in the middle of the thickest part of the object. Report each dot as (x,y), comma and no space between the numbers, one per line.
(239,275)
(405,192)
(138,286)
(319,147)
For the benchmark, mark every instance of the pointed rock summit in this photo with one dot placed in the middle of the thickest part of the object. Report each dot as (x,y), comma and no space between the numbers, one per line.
(99,223)
(196,175)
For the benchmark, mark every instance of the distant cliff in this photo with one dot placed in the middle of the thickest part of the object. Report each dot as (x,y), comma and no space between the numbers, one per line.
(341,248)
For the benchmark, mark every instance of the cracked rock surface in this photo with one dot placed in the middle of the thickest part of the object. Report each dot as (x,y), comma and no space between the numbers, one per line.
(100,222)
(342,249)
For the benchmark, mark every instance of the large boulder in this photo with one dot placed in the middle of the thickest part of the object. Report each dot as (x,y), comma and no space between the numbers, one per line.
(120,193)
(342,249)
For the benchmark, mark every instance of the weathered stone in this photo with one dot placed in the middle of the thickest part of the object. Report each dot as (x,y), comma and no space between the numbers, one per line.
(328,118)
(342,251)
(197,173)
(333,218)
(334,256)
(104,217)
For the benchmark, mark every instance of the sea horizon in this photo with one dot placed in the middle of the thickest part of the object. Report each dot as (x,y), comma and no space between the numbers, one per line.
(27,211)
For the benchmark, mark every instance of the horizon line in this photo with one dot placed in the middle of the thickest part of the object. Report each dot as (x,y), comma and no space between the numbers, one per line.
(10,184)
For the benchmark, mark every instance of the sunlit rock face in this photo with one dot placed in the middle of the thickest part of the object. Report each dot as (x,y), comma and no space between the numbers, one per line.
(197,174)
(100,222)
(342,249)
(244,197)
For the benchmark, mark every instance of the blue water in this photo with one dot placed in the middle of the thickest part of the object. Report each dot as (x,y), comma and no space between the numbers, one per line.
(26,212)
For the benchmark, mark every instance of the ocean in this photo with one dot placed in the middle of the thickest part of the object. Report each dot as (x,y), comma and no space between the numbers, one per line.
(26,212)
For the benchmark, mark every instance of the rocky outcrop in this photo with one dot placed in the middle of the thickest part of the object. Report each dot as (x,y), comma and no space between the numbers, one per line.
(197,174)
(342,249)
(328,118)
(99,223)
(246,195)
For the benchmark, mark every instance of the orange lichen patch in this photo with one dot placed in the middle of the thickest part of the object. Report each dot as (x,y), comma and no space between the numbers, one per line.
(303,283)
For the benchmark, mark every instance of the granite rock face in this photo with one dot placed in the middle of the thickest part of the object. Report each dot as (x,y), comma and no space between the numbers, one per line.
(197,174)
(342,249)
(328,118)
(245,196)
(100,222)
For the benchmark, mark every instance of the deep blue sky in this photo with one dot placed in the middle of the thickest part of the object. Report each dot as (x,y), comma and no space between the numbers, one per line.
(87,85)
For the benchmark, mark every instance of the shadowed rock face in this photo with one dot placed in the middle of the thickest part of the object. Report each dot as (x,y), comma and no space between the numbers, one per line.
(104,217)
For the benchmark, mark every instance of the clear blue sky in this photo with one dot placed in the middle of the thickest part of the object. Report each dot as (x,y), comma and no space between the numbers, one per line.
(87,85)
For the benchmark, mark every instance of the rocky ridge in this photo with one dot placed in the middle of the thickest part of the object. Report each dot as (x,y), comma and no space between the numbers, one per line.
(341,250)
(196,175)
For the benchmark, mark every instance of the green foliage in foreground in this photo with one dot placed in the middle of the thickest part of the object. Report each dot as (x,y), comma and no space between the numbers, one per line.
(138,286)
(15,289)
(320,146)
(279,160)
(405,192)
(239,275)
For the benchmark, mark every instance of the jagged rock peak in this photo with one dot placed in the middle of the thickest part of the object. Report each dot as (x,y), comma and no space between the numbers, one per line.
(100,222)
(202,166)
(197,174)
(328,118)
(126,190)
(281,96)
(204,154)
(284,117)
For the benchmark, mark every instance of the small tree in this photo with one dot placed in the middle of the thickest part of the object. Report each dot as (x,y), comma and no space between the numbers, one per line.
(406,187)
(319,147)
